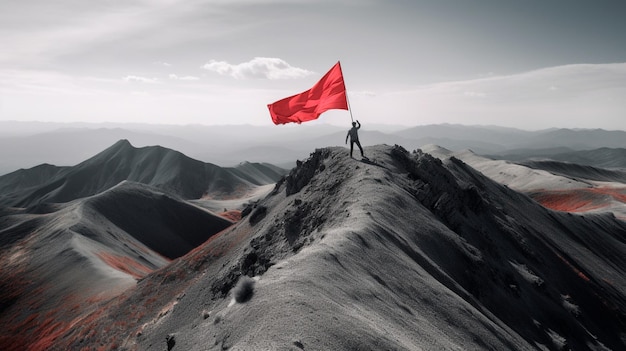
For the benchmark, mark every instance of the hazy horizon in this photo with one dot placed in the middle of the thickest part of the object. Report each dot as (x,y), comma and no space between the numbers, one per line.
(370,127)
(530,66)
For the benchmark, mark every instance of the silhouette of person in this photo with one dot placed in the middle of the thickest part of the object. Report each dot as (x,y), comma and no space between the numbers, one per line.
(353,134)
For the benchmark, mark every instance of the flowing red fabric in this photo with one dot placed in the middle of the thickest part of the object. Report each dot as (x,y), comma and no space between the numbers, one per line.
(329,93)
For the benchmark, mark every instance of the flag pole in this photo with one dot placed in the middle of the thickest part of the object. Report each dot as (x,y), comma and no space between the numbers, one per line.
(347,100)
(349,108)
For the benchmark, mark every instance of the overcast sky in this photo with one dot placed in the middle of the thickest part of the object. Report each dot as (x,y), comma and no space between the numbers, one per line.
(528,64)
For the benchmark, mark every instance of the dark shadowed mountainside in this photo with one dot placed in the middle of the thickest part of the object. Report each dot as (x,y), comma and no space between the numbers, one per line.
(400,251)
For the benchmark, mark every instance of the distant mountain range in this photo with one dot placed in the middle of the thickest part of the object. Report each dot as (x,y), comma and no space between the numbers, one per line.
(25,145)
(158,167)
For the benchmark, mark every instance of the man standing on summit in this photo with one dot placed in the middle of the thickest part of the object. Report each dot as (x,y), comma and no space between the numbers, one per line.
(353,134)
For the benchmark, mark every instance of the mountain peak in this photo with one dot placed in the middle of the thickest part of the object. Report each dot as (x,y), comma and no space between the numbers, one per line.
(122,143)
(121,148)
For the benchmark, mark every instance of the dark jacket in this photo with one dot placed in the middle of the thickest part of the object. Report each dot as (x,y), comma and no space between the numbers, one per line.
(353,133)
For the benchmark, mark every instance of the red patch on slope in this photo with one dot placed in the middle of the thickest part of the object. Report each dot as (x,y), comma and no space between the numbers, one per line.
(34,331)
(149,300)
(124,264)
(579,200)
(618,194)
(231,215)
(84,318)
(576,200)
(576,270)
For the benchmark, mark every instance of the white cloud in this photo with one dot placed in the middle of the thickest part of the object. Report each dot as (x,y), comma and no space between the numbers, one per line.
(139,79)
(258,68)
(176,77)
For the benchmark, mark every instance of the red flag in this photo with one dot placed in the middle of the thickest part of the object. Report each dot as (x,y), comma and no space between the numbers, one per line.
(329,93)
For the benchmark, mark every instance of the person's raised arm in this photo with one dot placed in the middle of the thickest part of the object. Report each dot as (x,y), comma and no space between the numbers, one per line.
(359,127)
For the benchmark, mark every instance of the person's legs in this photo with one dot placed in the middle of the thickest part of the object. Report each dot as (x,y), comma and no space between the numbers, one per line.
(351,147)
(358,143)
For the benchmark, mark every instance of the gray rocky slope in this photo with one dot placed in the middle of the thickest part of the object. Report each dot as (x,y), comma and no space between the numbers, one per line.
(59,262)
(400,251)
